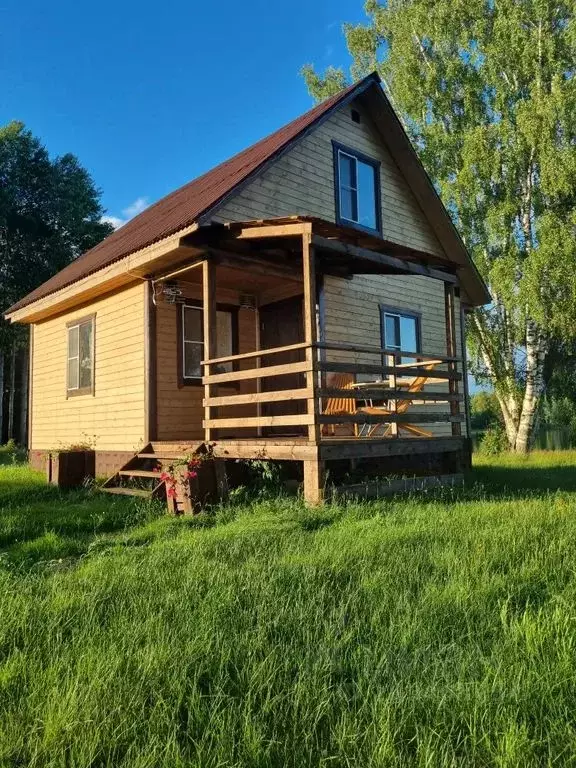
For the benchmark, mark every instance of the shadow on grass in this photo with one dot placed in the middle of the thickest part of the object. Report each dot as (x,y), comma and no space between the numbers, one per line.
(39,522)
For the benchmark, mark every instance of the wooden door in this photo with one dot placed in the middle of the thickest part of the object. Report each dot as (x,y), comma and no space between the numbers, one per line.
(281,324)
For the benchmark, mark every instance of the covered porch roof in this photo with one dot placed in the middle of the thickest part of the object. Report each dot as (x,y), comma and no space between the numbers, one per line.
(275,245)
(272,246)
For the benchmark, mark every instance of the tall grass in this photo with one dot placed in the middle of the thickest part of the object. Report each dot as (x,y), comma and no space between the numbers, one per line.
(436,630)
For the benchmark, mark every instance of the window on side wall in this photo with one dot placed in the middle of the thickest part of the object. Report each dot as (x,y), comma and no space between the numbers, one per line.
(192,341)
(400,331)
(80,360)
(357,185)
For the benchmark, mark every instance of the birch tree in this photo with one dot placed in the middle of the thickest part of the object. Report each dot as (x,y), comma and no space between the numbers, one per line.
(486,91)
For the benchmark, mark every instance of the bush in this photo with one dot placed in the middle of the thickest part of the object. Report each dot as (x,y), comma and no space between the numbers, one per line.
(494,441)
(484,410)
(559,413)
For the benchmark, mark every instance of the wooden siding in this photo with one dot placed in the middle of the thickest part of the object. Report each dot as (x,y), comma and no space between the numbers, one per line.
(179,409)
(114,417)
(352,315)
(302,182)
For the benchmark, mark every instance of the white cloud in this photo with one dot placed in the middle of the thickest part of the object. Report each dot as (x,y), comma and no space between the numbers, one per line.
(114,220)
(136,207)
(128,213)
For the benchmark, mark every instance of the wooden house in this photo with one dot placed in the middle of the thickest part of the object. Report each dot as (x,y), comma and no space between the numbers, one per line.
(303,301)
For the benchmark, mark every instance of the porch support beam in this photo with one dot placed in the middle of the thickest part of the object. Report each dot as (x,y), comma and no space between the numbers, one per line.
(383,260)
(310,332)
(451,351)
(209,319)
(271,230)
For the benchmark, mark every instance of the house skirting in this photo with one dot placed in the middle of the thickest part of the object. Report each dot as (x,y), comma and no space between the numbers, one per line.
(107,462)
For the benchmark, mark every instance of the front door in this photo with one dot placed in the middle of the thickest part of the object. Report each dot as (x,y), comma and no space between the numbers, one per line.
(282,324)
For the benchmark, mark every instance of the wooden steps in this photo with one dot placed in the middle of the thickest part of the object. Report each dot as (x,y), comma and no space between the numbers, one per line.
(128,492)
(163,456)
(138,473)
(140,476)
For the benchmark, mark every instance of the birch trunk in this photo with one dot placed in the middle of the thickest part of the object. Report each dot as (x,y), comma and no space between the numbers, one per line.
(23,432)
(536,348)
(11,392)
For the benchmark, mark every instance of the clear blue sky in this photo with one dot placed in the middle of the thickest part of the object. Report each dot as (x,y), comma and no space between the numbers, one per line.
(150,95)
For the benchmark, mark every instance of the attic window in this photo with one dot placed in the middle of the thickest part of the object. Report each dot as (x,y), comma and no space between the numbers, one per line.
(357,189)
(355,116)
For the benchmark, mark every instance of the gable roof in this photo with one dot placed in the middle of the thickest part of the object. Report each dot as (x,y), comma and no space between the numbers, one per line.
(188,204)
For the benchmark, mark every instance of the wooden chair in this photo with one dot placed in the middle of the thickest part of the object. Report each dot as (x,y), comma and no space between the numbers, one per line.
(417,385)
(340,406)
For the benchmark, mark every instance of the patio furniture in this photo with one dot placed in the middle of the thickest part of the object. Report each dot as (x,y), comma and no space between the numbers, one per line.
(413,386)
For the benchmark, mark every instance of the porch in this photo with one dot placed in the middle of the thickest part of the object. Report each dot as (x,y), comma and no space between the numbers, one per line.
(321,397)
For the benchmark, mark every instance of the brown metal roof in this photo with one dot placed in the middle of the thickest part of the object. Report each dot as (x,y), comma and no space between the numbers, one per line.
(186,205)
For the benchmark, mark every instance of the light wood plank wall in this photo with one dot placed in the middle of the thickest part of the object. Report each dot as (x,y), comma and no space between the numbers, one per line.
(302,182)
(179,409)
(352,315)
(115,415)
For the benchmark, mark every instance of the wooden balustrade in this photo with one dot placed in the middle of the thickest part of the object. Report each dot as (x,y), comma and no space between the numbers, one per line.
(393,388)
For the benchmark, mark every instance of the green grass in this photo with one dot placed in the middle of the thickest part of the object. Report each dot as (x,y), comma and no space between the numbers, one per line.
(437,630)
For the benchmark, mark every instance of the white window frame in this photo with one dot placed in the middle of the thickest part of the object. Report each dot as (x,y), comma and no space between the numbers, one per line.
(76,324)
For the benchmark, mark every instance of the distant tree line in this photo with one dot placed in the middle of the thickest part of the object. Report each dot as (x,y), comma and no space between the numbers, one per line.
(50,213)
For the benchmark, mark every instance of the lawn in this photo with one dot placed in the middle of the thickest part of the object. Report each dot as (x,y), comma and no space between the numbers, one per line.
(437,630)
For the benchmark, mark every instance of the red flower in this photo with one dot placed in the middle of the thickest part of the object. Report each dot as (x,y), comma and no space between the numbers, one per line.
(190,475)
(171,492)
(165,476)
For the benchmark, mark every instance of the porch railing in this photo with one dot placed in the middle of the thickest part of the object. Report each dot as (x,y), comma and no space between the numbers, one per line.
(246,398)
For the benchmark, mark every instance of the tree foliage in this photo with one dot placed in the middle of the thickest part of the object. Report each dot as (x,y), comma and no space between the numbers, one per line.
(50,213)
(487,93)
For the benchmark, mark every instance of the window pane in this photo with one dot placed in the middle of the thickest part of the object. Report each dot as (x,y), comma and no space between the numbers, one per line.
(391,332)
(73,341)
(408,334)
(86,355)
(73,373)
(347,171)
(367,195)
(193,354)
(348,204)
(192,324)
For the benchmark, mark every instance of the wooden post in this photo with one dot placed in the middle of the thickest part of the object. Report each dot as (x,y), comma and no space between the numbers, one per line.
(310,331)
(209,318)
(258,364)
(393,383)
(465,369)
(313,468)
(150,392)
(451,351)
(210,352)
(313,482)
